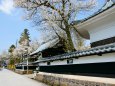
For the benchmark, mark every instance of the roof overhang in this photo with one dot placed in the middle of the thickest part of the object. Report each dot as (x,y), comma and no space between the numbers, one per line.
(83,33)
(81,27)
(47,45)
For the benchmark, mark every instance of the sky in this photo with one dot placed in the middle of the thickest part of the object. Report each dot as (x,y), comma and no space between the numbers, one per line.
(12,24)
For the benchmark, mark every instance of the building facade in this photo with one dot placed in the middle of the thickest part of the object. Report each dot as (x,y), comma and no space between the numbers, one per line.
(96,61)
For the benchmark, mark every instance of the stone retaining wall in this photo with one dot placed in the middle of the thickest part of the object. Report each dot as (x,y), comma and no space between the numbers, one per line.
(53,80)
(23,71)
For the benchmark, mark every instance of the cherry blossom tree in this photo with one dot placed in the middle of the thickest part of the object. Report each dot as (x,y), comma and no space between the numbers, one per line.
(23,49)
(58,14)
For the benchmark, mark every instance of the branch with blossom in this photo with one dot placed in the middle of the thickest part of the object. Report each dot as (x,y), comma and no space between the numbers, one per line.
(56,13)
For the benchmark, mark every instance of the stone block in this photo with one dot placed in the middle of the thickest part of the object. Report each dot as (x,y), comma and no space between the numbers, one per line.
(53,80)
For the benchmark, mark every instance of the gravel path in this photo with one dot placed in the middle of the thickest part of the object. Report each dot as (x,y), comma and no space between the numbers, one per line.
(9,78)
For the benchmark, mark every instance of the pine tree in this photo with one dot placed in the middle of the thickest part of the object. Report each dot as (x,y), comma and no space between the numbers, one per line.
(25,39)
(11,49)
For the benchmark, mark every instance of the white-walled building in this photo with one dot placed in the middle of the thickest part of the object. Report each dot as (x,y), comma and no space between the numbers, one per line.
(100,59)
(101,26)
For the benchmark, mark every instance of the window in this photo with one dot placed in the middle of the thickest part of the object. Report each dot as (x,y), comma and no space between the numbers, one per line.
(69,61)
(48,63)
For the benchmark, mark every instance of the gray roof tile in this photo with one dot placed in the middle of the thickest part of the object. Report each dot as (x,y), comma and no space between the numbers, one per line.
(93,51)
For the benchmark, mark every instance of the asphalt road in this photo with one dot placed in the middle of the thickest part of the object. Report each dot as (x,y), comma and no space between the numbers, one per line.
(9,78)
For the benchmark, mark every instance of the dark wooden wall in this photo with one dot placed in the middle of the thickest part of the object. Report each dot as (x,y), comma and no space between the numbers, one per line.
(103,42)
(25,67)
(94,69)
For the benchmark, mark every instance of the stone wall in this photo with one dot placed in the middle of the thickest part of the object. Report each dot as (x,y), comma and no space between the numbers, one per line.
(23,71)
(55,80)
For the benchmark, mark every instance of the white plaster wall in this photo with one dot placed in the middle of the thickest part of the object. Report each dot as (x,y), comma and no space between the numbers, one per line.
(102,29)
(101,26)
(103,32)
(96,59)
(59,62)
(88,59)
(43,63)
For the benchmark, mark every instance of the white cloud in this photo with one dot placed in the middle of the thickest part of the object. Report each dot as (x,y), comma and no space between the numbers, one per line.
(6,6)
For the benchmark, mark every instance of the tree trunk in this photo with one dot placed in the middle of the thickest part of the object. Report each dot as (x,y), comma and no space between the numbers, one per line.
(69,46)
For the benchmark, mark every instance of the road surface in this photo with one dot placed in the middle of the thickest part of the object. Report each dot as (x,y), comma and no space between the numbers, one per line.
(9,78)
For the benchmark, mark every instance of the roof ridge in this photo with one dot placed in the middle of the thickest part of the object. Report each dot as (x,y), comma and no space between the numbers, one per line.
(92,51)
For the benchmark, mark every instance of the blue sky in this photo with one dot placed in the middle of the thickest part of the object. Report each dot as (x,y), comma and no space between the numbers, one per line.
(12,24)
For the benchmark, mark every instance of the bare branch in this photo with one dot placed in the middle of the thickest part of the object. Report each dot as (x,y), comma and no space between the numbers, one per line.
(56,13)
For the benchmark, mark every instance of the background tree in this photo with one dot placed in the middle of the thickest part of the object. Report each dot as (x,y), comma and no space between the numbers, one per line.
(34,45)
(11,62)
(4,57)
(11,49)
(24,43)
(24,39)
(58,14)
(25,46)
(17,52)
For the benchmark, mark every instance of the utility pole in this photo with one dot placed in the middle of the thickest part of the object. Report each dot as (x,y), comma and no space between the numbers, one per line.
(27,62)
(27,55)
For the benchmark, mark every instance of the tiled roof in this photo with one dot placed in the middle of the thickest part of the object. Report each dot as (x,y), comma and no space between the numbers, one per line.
(47,45)
(93,51)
